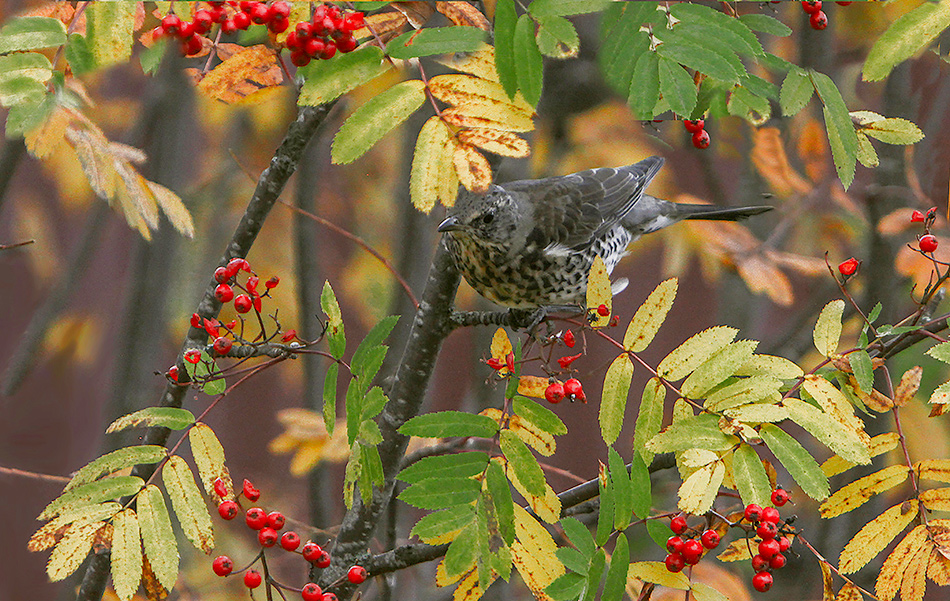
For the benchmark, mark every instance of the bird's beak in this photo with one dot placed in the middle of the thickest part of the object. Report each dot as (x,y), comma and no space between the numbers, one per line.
(450,224)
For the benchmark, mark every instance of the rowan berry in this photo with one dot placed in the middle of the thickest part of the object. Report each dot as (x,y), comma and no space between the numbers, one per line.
(221,275)
(202,21)
(811,6)
(323,560)
(767,530)
(329,50)
(356,575)
(569,339)
(565,362)
(311,551)
(276,520)
(779,497)
(222,565)
(847,268)
(252,579)
(299,58)
(279,10)
(329,597)
(290,540)
(928,243)
(353,21)
(346,44)
(172,373)
(220,487)
(222,345)
(769,548)
(267,537)
(603,311)
(228,27)
(678,525)
(675,562)
(694,125)
(692,551)
(242,303)
(228,510)
(241,20)
(193,356)
(195,320)
(255,518)
(784,543)
(752,512)
(272,282)
(701,139)
(288,335)
(311,592)
(278,25)
(674,544)
(260,14)
(554,393)
(250,491)
(777,562)
(770,514)
(573,390)
(710,539)
(171,24)
(252,282)
(916,217)
(256,300)
(760,563)
(818,20)
(762,581)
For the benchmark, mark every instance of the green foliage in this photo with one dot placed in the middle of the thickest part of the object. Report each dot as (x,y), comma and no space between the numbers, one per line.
(373,120)
(435,40)
(327,80)
(31,33)
(444,424)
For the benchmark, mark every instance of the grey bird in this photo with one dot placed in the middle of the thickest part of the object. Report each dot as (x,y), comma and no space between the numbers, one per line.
(530,244)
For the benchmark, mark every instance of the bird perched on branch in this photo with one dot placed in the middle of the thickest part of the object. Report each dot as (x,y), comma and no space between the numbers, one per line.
(530,244)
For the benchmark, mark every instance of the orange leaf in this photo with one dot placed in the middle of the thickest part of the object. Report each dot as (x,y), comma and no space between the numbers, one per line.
(499,142)
(472,168)
(463,13)
(385,25)
(769,158)
(244,73)
(813,150)
(533,386)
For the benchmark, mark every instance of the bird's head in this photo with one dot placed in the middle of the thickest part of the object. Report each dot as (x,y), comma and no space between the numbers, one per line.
(490,217)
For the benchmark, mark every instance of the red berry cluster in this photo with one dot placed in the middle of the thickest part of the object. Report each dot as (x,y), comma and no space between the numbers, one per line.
(816,17)
(571,390)
(687,551)
(928,242)
(697,127)
(772,541)
(268,527)
(327,31)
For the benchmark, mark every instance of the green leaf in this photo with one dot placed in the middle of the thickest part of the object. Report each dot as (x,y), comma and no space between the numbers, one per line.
(645,85)
(776,63)
(22,118)
(126,554)
(552,8)
(557,37)
(745,391)
(461,554)
(749,475)
(759,86)
(368,366)
(728,31)
(92,494)
(373,404)
(328,80)
(80,57)
(372,469)
(941,352)
(799,463)
(540,416)
(617,572)
(594,573)
(677,87)
(695,351)
(462,465)
(117,460)
(623,489)
(717,368)
(157,536)
(828,328)
(642,493)
(500,493)
(649,418)
(109,31)
(369,123)
(435,40)
(841,134)
(796,91)
(440,523)
(31,65)
(861,365)
(529,65)
(150,58)
(335,334)
(30,33)
(579,536)
(704,592)
(373,340)
(329,398)
(445,424)
(505,20)
(439,493)
(624,43)
(696,432)
(566,586)
(573,559)
(888,130)
(209,455)
(749,106)
(613,403)
(843,441)
(188,503)
(523,463)
(354,410)
(724,66)
(605,518)
(21,91)
(659,532)
(765,24)
(908,35)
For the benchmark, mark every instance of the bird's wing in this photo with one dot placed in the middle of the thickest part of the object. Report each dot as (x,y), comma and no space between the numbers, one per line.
(571,211)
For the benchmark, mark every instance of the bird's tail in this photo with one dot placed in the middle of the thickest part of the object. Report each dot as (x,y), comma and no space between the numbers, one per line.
(713,213)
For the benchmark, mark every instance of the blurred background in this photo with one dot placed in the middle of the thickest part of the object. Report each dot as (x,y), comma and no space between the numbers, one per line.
(92,315)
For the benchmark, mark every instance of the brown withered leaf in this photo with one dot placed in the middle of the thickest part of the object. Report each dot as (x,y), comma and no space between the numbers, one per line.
(244,73)
(499,142)
(771,161)
(103,539)
(908,386)
(154,591)
(938,410)
(472,168)
(481,116)
(938,569)
(463,13)
(848,592)
(876,401)
(63,11)
(385,26)
(813,150)
(762,276)
(416,12)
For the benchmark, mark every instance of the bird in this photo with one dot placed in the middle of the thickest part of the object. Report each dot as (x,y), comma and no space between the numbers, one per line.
(530,244)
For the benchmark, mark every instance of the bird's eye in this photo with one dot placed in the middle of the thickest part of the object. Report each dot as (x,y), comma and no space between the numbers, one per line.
(488,218)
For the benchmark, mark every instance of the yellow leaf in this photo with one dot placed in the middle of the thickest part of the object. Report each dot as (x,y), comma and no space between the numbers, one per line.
(914,582)
(857,493)
(828,592)
(892,573)
(908,386)
(697,493)
(429,164)
(533,553)
(650,316)
(836,405)
(468,589)
(849,592)
(459,90)
(828,328)
(384,25)
(49,534)
(598,293)
(442,577)
(472,168)
(934,469)
(738,550)
(936,499)
(533,386)
(501,348)
(190,508)
(209,457)
(938,569)
(875,536)
(464,14)
(778,367)
(502,143)
(126,554)
(173,207)
(44,139)
(548,507)
(488,116)
(880,444)
(247,71)
(538,439)
(480,63)
(758,413)
(656,572)
(449,182)
(71,550)
(695,351)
